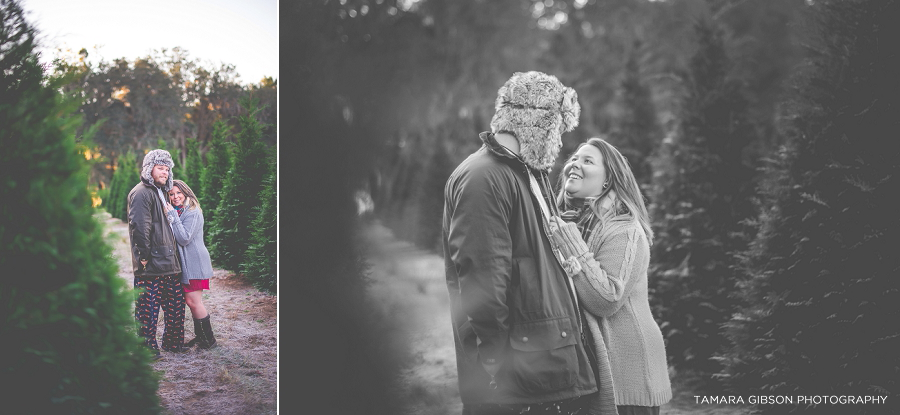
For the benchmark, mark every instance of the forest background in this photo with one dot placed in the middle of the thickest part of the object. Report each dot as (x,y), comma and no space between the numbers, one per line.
(758,130)
(166,99)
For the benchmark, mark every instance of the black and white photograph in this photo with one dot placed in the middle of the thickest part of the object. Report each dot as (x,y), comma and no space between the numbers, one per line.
(596,206)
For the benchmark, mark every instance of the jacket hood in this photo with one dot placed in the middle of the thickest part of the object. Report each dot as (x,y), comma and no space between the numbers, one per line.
(153,158)
(537,108)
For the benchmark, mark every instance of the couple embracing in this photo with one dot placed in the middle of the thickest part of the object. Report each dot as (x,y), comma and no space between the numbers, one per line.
(548,292)
(170,261)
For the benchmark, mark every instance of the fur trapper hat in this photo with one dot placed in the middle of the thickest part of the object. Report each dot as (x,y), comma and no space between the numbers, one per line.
(537,108)
(153,158)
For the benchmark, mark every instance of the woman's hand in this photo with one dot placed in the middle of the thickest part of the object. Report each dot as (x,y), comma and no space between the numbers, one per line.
(557,224)
(554,224)
(567,237)
(169,207)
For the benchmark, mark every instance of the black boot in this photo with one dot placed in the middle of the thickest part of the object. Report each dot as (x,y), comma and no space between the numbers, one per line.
(204,333)
(196,338)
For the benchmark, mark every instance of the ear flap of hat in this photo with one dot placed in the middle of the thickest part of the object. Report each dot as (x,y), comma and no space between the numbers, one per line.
(169,182)
(145,173)
(538,146)
(570,109)
(538,132)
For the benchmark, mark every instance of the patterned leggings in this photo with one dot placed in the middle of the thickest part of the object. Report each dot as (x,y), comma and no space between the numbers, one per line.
(165,291)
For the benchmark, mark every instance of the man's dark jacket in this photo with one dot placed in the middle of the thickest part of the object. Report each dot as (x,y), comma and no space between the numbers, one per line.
(509,298)
(149,232)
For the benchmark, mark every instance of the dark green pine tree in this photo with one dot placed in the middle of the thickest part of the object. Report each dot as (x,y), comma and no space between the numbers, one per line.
(111,202)
(431,192)
(638,131)
(261,261)
(699,202)
(218,161)
(126,176)
(68,343)
(230,232)
(820,300)
(193,167)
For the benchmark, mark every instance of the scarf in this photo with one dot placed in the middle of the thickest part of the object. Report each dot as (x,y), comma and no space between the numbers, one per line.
(179,209)
(164,200)
(579,211)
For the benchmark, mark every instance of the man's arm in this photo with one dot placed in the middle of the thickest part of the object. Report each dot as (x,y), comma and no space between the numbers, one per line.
(139,218)
(481,249)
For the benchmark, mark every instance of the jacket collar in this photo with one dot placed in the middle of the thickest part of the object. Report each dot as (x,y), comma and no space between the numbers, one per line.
(498,149)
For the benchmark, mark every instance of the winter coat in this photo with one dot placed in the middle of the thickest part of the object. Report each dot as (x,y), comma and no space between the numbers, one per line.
(149,233)
(509,298)
(188,228)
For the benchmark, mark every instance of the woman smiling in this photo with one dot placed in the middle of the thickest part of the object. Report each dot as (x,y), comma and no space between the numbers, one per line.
(605,234)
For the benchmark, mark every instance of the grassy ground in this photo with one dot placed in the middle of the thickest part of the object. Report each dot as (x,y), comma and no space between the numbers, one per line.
(238,377)
(409,285)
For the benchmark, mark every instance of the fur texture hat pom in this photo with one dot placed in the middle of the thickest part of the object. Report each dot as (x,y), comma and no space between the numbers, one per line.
(537,108)
(153,158)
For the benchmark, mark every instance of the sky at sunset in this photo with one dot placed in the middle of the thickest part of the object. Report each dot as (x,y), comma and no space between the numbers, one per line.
(243,33)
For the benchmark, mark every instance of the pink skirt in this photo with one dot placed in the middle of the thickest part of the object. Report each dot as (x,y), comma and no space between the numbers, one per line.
(196,285)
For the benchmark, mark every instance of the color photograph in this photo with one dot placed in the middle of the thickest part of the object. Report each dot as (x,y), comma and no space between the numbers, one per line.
(138,238)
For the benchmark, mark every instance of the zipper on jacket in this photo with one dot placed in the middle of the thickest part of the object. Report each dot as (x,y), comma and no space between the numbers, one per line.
(544,224)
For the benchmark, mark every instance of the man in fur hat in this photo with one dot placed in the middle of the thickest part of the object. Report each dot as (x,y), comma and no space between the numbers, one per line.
(516,320)
(154,255)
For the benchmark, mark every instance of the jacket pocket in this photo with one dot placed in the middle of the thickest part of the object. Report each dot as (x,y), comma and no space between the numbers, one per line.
(162,251)
(543,355)
(162,260)
(468,341)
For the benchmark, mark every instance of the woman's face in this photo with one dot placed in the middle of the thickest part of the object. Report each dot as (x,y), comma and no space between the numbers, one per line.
(585,173)
(176,197)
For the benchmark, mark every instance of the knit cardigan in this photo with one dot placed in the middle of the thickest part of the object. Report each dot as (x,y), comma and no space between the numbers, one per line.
(612,287)
(188,229)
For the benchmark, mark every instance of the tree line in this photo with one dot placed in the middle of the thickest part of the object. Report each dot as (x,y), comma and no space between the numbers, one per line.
(757,129)
(204,117)
(236,188)
(165,97)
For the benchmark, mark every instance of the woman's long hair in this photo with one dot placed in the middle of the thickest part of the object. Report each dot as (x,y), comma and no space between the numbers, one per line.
(621,180)
(189,198)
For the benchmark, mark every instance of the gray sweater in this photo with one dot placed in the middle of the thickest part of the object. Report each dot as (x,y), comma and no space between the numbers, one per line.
(188,229)
(613,288)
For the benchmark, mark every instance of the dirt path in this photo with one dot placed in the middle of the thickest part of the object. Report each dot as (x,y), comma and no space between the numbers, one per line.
(238,377)
(410,283)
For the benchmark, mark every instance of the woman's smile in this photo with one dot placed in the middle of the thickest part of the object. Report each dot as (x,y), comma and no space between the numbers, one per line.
(585,173)
(176,197)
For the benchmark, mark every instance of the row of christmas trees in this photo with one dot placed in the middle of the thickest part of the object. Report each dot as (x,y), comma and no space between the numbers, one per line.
(236,187)
(776,274)
(68,342)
